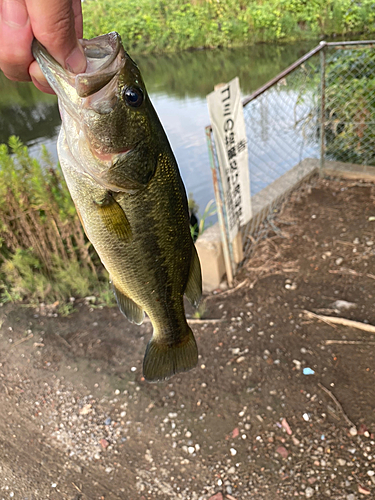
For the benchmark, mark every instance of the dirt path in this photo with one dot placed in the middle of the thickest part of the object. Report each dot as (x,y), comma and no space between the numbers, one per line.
(78,422)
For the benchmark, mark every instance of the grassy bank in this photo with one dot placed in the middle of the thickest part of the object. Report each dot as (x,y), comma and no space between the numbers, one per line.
(44,253)
(161,25)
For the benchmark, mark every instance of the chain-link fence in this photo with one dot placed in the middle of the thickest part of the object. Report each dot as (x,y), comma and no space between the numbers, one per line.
(349,116)
(322,108)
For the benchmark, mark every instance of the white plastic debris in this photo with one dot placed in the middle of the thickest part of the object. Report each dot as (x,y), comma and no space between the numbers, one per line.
(343,305)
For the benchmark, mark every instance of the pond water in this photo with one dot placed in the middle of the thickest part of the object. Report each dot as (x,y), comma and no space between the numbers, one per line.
(178,85)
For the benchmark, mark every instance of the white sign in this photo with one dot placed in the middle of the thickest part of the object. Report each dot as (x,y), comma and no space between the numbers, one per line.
(228,125)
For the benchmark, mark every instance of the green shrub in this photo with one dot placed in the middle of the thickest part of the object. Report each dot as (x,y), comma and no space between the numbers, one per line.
(44,253)
(161,25)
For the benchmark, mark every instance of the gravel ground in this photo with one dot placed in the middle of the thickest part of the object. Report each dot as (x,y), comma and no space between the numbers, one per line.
(281,404)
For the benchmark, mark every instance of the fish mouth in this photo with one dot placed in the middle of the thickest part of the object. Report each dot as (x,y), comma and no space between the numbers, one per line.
(104,55)
(102,65)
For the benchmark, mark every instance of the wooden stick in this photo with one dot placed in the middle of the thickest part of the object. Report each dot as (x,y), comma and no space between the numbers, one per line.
(345,243)
(351,272)
(192,321)
(348,342)
(318,316)
(80,490)
(24,339)
(335,400)
(342,321)
(63,340)
(232,290)
(76,487)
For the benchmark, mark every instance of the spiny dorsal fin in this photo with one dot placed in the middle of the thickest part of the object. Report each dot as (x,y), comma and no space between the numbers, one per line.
(114,218)
(162,360)
(193,290)
(128,307)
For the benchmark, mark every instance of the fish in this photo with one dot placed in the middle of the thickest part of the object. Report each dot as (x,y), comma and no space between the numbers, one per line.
(125,183)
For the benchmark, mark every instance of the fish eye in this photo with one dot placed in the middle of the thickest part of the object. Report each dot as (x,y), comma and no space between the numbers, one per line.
(133,96)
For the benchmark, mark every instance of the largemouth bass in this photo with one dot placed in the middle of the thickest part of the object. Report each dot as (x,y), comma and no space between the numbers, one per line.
(127,189)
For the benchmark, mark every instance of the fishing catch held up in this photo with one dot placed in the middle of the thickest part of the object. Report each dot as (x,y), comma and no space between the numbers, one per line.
(127,189)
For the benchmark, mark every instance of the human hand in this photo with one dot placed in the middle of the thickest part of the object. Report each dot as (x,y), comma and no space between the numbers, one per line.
(57,24)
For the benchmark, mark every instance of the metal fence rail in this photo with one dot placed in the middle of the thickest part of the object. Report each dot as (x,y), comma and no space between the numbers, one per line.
(321,108)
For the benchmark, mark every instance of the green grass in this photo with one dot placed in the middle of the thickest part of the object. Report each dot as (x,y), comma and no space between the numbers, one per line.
(165,26)
(44,253)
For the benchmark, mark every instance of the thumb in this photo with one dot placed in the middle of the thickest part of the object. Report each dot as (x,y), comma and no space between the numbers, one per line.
(53,24)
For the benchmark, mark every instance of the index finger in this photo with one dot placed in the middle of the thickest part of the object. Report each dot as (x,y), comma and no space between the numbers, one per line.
(54,24)
(15,39)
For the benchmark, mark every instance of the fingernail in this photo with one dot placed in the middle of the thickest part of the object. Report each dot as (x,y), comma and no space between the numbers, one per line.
(76,61)
(14,13)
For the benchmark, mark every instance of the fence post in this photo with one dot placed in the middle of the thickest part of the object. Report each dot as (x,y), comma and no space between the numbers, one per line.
(322,105)
(219,203)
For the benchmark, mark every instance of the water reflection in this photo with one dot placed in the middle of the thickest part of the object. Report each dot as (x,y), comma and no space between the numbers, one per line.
(26,112)
(178,85)
(194,74)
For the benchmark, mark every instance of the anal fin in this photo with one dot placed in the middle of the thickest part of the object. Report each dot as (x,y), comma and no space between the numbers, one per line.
(193,290)
(128,307)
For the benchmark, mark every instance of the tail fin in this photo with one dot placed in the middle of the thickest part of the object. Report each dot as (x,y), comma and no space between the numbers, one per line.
(163,360)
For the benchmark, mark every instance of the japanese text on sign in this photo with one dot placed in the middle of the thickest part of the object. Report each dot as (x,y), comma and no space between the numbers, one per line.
(228,126)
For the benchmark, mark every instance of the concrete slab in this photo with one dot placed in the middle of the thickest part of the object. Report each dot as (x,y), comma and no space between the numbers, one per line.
(211,256)
(349,170)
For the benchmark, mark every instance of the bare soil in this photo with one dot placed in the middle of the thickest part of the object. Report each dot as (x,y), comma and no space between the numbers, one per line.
(77,421)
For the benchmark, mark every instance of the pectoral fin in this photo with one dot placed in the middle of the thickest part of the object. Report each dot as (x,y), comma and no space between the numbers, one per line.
(128,307)
(114,218)
(193,290)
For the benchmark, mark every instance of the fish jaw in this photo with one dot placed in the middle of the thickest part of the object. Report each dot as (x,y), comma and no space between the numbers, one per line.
(105,58)
(60,80)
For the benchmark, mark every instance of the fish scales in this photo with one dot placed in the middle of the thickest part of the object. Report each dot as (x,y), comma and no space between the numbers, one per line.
(143,263)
